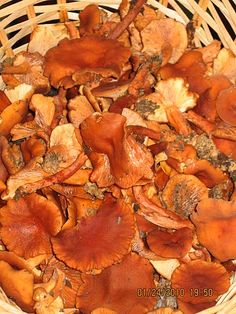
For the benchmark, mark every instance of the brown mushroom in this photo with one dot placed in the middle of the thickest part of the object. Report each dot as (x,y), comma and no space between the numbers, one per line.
(28,224)
(128,160)
(160,33)
(206,172)
(170,244)
(182,194)
(114,223)
(89,63)
(17,284)
(90,19)
(200,281)
(226,105)
(215,221)
(123,288)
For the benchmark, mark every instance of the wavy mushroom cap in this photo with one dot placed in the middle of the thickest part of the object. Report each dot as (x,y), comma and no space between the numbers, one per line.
(28,224)
(90,19)
(215,222)
(97,56)
(122,288)
(201,281)
(124,160)
(175,244)
(108,236)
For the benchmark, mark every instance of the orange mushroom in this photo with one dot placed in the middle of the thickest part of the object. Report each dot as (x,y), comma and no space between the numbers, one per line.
(63,62)
(17,284)
(200,281)
(189,308)
(226,105)
(170,244)
(206,104)
(114,223)
(128,160)
(205,172)
(215,222)
(90,19)
(192,68)
(182,194)
(32,221)
(227,147)
(125,288)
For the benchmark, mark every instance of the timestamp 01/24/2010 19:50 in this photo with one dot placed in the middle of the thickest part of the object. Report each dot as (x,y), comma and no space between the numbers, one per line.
(170,292)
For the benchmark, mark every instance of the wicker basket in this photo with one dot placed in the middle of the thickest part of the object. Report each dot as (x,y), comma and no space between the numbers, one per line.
(212,19)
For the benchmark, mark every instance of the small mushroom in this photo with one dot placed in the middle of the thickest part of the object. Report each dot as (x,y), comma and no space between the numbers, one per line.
(159,33)
(28,224)
(12,115)
(114,223)
(17,284)
(169,93)
(182,194)
(201,281)
(225,64)
(206,172)
(122,288)
(170,244)
(90,19)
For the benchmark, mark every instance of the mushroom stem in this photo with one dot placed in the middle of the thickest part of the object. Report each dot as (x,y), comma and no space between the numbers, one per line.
(200,122)
(128,19)
(177,120)
(56,178)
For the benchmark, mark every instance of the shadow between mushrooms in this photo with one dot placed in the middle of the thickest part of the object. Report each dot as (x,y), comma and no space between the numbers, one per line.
(28,224)
(98,241)
(111,288)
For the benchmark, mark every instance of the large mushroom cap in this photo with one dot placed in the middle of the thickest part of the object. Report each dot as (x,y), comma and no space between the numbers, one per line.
(122,288)
(86,55)
(215,222)
(201,281)
(28,224)
(108,236)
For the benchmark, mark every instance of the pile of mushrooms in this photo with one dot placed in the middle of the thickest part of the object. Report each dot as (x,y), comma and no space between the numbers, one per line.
(118,168)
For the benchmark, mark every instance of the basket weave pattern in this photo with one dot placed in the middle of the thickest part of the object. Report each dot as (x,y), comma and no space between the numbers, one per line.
(19,19)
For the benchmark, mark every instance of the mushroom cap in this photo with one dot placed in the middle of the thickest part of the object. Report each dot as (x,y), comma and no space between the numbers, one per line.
(226,105)
(119,287)
(17,284)
(189,308)
(215,222)
(175,244)
(28,224)
(169,92)
(96,55)
(158,33)
(128,160)
(108,234)
(227,147)
(89,19)
(182,193)
(201,281)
